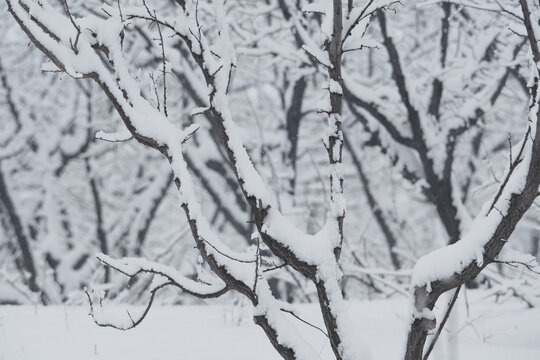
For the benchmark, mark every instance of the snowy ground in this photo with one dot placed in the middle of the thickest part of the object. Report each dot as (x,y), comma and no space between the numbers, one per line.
(494,332)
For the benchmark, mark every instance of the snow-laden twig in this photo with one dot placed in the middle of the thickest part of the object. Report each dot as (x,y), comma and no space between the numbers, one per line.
(134,266)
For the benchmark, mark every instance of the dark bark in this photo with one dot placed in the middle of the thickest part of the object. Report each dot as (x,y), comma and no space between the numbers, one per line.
(9,99)
(216,165)
(372,110)
(437,87)
(329,319)
(285,352)
(149,218)
(23,243)
(374,205)
(101,235)
(26,261)
(439,190)
(294,112)
(519,203)
(293,118)
(223,208)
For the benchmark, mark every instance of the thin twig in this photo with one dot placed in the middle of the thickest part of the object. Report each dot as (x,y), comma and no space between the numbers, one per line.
(445,319)
(304,321)
(513,165)
(77,27)
(228,256)
(164,67)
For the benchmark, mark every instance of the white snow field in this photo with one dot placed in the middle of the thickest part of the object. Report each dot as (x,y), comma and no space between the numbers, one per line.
(491,331)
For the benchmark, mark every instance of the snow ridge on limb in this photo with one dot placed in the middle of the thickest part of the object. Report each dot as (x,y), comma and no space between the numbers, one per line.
(216,63)
(450,267)
(134,266)
(331,300)
(82,58)
(91,47)
(340,330)
(120,136)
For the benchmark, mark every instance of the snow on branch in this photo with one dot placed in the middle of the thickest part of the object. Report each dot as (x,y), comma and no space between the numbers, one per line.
(450,267)
(117,321)
(490,230)
(472,249)
(91,47)
(495,6)
(133,266)
(121,136)
(357,20)
(216,62)
(144,122)
(164,276)
(320,56)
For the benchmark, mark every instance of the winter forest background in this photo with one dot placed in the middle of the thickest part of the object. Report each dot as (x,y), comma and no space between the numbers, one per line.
(316,154)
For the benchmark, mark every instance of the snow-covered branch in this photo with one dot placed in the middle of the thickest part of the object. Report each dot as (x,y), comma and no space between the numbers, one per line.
(450,267)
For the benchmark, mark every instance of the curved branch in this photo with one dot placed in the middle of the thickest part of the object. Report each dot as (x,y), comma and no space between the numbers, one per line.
(134,266)
(104,321)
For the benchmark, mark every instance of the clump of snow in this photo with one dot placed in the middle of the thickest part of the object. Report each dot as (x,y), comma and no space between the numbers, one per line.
(114,137)
(335,87)
(443,263)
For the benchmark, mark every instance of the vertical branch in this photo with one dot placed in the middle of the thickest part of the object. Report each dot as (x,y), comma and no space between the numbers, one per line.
(293,118)
(74,45)
(23,242)
(294,112)
(437,90)
(151,216)
(439,191)
(327,285)
(497,226)
(441,327)
(164,68)
(334,144)
(374,205)
(98,206)
(9,99)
